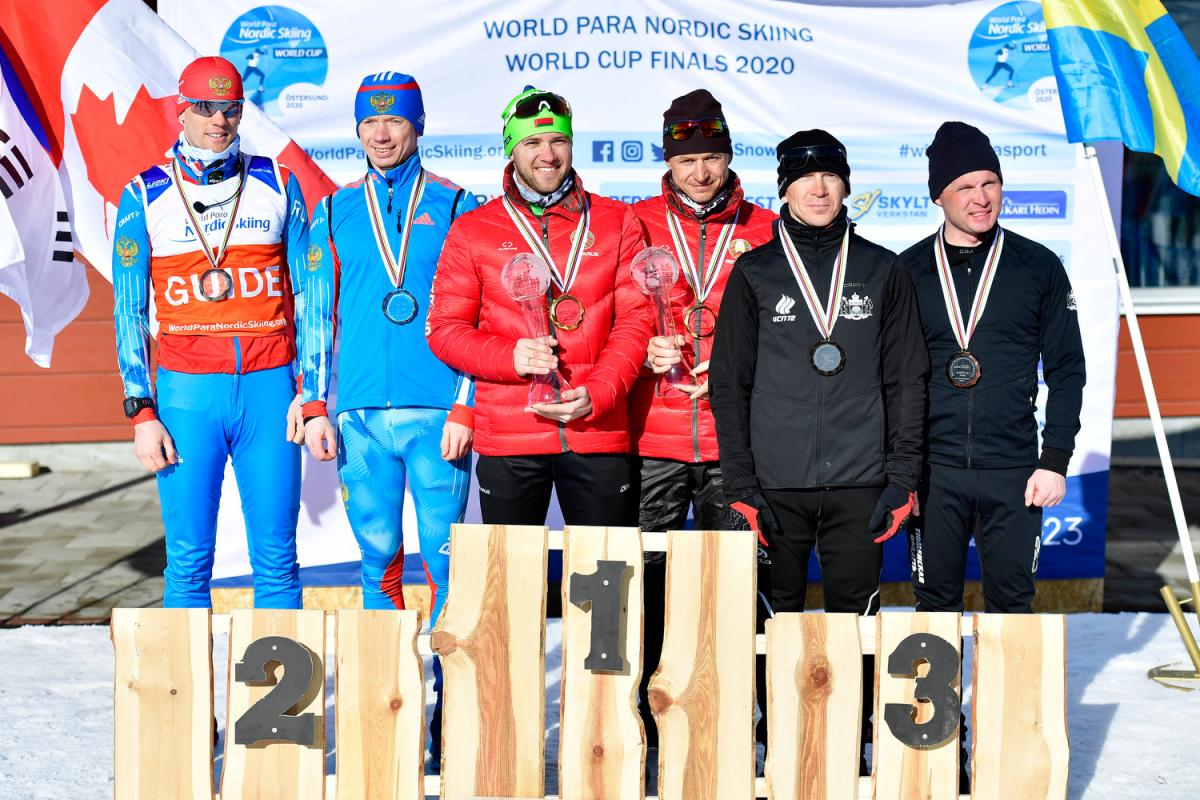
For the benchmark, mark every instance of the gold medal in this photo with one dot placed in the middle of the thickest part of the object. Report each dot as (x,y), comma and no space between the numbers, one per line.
(700,321)
(567,312)
(570,316)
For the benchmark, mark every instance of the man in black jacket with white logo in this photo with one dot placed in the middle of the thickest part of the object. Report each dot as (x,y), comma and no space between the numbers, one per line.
(818,379)
(992,303)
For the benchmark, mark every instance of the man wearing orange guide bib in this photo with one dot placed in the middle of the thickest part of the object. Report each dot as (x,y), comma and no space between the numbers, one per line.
(216,235)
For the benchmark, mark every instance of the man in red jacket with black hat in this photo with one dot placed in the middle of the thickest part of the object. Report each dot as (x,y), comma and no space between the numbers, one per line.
(600,325)
(702,217)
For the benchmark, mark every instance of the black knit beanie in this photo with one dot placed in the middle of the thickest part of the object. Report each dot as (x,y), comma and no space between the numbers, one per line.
(696,105)
(795,165)
(959,148)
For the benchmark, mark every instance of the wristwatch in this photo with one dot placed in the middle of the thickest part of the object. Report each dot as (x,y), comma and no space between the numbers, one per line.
(135,404)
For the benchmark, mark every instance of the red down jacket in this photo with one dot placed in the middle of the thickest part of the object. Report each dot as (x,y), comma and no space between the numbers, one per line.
(675,426)
(473,324)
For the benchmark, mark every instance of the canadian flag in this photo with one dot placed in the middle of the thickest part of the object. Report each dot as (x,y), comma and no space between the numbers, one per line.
(102,77)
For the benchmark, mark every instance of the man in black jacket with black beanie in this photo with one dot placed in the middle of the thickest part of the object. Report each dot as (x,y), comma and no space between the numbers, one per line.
(818,387)
(992,303)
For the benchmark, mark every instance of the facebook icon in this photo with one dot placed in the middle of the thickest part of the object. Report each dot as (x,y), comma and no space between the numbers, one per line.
(602,150)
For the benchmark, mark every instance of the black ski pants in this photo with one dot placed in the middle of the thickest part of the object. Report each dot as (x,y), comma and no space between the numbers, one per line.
(592,489)
(988,504)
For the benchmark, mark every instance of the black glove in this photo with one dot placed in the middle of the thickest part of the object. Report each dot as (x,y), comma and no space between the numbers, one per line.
(894,506)
(758,513)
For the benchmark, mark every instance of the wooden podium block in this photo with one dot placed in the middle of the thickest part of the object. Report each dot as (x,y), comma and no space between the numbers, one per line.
(602,749)
(276,768)
(163,703)
(380,706)
(491,637)
(916,741)
(702,694)
(1019,707)
(814,706)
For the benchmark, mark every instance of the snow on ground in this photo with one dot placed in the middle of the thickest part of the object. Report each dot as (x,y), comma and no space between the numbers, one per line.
(1130,737)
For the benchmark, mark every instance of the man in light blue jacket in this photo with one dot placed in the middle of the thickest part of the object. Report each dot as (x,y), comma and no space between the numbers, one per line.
(402,415)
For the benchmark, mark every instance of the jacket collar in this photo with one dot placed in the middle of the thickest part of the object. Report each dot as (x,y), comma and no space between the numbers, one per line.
(207,171)
(723,213)
(403,172)
(570,206)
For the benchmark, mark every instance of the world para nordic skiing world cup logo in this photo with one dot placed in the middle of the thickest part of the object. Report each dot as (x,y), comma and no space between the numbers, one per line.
(1008,57)
(382,102)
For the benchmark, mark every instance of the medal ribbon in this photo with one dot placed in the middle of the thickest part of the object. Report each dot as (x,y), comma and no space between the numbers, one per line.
(214,258)
(964,332)
(701,285)
(562,280)
(394,263)
(825,318)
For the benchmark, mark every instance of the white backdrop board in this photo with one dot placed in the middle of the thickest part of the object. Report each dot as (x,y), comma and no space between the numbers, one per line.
(881,79)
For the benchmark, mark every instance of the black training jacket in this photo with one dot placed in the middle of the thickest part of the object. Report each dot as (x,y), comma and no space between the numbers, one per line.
(1030,313)
(782,425)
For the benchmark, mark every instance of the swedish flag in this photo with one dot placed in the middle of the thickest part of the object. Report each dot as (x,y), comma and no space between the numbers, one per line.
(1125,71)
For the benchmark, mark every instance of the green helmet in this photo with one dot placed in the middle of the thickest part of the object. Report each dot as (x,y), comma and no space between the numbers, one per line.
(531,112)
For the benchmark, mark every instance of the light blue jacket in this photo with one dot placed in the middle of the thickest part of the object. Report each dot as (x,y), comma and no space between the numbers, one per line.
(380,364)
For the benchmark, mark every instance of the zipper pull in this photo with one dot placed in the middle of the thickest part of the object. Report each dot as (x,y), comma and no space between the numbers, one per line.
(389,207)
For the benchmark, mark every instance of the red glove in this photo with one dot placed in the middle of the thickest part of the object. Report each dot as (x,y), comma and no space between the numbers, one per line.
(894,507)
(758,513)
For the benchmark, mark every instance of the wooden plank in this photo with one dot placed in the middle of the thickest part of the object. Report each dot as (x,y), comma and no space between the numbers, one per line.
(16,470)
(380,706)
(275,770)
(602,749)
(814,706)
(1019,713)
(901,771)
(162,703)
(702,694)
(491,637)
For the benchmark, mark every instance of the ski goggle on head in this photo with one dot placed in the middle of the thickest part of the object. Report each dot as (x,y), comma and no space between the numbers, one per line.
(206,108)
(538,103)
(822,155)
(531,112)
(686,129)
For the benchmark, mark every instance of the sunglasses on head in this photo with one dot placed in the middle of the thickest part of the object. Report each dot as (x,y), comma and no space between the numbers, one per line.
(823,155)
(537,103)
(206,108)
(687,128)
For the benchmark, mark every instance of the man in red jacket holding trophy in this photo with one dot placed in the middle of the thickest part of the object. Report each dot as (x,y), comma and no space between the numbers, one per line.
(579,335)
(704,220)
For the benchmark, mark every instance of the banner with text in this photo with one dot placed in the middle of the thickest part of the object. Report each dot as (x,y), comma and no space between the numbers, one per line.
(881,79)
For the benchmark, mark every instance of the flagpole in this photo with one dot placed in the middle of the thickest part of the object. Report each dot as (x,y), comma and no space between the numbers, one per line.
(1139,353)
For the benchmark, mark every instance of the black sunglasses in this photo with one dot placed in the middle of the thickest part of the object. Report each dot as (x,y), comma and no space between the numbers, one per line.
(823,155)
